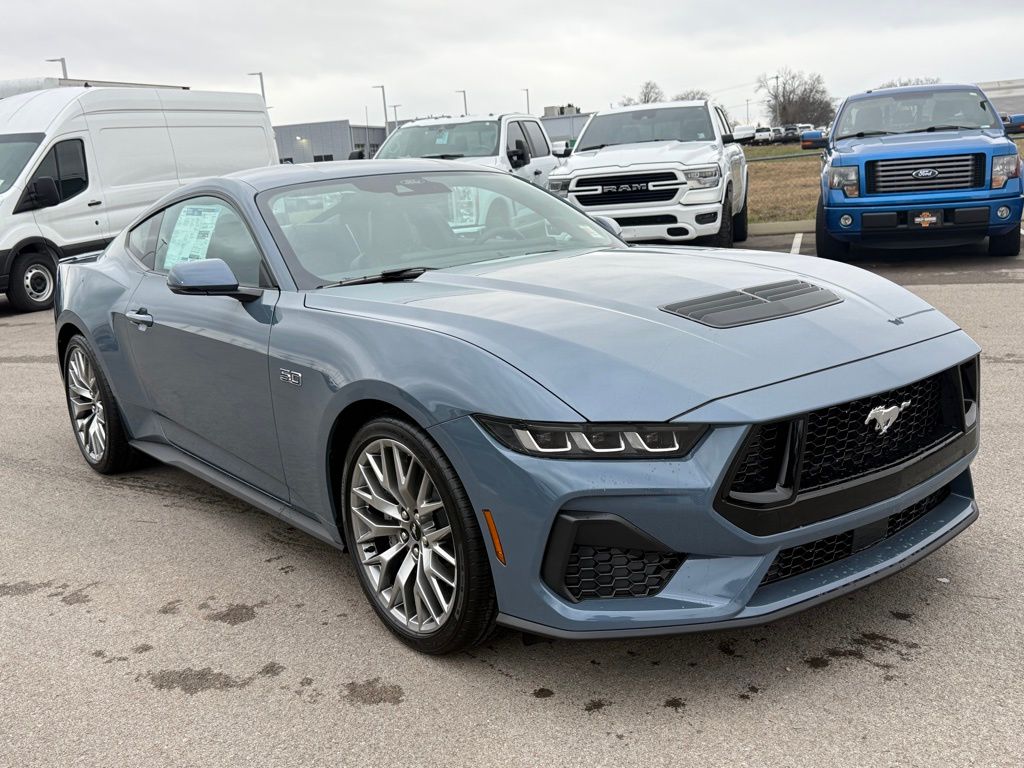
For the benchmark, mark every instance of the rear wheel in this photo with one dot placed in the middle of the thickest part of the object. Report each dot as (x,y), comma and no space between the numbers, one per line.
(32,282)
(95,418)
(826,246)
(414,539)
(1005,245)
(724,237)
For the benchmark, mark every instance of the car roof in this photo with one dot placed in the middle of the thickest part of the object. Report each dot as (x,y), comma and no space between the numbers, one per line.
(914,89)
(466,119)
(655,105)
(287,174)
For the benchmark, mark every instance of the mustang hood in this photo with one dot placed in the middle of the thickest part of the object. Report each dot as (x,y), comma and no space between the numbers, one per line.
(589,326)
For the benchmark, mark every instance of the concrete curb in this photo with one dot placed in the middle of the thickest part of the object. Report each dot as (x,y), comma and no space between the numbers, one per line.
(782,227)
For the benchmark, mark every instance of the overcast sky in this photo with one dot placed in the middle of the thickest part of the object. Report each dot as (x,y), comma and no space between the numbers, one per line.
(320,59)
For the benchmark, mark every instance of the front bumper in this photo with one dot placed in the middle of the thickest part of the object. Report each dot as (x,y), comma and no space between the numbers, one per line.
(672,223)
(719,584)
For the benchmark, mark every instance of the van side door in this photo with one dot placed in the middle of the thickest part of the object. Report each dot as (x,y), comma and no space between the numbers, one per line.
(75,222)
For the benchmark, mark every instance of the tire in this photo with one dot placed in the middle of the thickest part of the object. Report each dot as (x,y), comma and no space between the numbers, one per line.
(32,283)
(740,224)
(1005,245)
(724,237)
(826,246)
(85,387)
(430,625)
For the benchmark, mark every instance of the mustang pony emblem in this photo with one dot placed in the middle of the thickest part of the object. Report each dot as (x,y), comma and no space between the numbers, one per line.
(885,417)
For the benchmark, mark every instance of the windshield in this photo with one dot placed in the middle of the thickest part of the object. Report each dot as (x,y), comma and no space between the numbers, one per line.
(640,125)
(345,228)
(476,139)
(915,112)
(15,151)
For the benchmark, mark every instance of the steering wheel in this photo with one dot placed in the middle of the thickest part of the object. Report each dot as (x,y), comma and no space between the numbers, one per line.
(507,232)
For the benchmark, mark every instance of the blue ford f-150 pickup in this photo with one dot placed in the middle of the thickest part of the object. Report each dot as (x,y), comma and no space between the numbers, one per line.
(917,167)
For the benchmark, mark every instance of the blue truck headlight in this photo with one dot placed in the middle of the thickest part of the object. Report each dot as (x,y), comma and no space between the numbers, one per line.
(1004,168)
(595,441)
(846,178)
(703,178)
(559,187)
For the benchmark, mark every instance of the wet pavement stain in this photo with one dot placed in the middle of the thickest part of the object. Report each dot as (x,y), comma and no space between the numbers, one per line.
(171,607)
(236,613)
(271,669)
(595,705)
(751,690)
(142,648)
(373,691)
(874,641)
(728,649)
(176,493)
(674,703)
(78,596)
(306,682)
(901,615)
(22,588)
(193,681)
(543,693)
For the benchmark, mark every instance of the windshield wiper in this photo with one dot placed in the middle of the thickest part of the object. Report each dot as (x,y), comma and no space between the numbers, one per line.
(933,128)
(387,276)
(444,156)
(594,146)
(865,134)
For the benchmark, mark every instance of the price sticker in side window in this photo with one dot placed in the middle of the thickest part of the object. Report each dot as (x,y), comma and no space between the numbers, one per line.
(192,232)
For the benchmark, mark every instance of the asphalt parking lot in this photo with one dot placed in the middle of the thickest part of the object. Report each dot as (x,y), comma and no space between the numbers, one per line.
(149,619)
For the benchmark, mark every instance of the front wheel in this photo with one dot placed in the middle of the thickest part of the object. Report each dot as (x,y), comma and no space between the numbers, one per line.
(414,539)
(1007,244)
(826,246)
(724,237)
(740,223)
(32,282)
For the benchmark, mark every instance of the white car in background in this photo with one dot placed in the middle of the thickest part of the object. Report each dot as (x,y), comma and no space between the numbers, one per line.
(667,173)
(763,136)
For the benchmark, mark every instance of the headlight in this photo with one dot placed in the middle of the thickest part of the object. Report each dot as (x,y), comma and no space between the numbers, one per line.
(595,441)
(703,178)
(558,187)
(846,178)
(1004,168)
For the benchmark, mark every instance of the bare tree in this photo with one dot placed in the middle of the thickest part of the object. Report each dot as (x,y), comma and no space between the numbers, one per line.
(900,82)
(794,96)
(650,93)
(691,94)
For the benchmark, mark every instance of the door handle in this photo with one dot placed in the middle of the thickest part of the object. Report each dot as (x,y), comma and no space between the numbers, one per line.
(140,317)
(94,203)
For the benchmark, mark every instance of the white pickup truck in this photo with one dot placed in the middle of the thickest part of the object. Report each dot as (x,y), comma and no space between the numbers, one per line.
(667,173)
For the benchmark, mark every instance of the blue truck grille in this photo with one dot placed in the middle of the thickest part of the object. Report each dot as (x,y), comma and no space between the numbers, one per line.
(924,174)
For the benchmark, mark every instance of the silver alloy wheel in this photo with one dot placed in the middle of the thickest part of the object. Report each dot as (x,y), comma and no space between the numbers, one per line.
(403,538)
(38,283)
(87,412)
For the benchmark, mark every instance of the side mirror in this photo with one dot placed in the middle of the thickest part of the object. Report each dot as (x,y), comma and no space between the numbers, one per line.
(813,140)
(357,154)
(43,192)
(209,277)
(1015,124)
(610,224)
(728,138)
(519,156)
(564,152)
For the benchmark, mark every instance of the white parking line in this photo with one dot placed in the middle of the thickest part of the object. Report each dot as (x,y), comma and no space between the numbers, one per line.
(798,240)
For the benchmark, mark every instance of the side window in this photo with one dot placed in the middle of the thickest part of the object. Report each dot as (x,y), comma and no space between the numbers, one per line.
(514,134)
(538,144)
(142,240)
(208,228)
(65,164)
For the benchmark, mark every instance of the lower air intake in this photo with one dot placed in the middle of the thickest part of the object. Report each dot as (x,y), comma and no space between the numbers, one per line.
(600,572)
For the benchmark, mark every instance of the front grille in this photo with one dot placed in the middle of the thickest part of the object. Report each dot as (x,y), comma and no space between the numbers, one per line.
(840,446)
(952,172)
(596,572)
(815,554)
(759,469)
(626,188)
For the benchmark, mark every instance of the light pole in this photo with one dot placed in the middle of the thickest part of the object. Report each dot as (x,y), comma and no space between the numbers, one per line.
(366,147)
(384,98)
(394,110)
(263,91)
(527,92)
(465,107)
(63,66)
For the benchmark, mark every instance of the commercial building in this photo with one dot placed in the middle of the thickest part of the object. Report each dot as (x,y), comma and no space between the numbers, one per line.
(326,141)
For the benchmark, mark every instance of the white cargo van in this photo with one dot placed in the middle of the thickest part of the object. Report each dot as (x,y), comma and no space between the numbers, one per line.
(78,164)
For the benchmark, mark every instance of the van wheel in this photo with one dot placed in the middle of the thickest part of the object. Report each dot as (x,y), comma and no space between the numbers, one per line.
(1005,245)
(724,237)
(740,223)
(32,282)
(826,246)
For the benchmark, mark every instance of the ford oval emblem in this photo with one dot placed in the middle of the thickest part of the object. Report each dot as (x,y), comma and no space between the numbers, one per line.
(925,173)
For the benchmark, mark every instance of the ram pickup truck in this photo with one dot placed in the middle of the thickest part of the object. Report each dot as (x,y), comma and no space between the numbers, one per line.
(918,166)
(667,173)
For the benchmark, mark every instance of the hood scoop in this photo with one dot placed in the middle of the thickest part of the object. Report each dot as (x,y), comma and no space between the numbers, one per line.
(754,305)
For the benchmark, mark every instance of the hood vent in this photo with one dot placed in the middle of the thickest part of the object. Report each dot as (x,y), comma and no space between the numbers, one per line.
(754,305)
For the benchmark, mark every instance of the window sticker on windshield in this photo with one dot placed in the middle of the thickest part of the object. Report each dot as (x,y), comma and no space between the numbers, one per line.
(191,237)
(442,137)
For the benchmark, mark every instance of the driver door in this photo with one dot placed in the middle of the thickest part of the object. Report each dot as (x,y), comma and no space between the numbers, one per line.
(202,360)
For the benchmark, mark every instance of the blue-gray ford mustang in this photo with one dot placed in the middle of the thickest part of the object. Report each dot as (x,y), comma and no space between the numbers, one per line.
(507,415)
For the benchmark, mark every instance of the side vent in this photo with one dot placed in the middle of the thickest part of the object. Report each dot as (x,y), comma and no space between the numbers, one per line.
(754,305)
